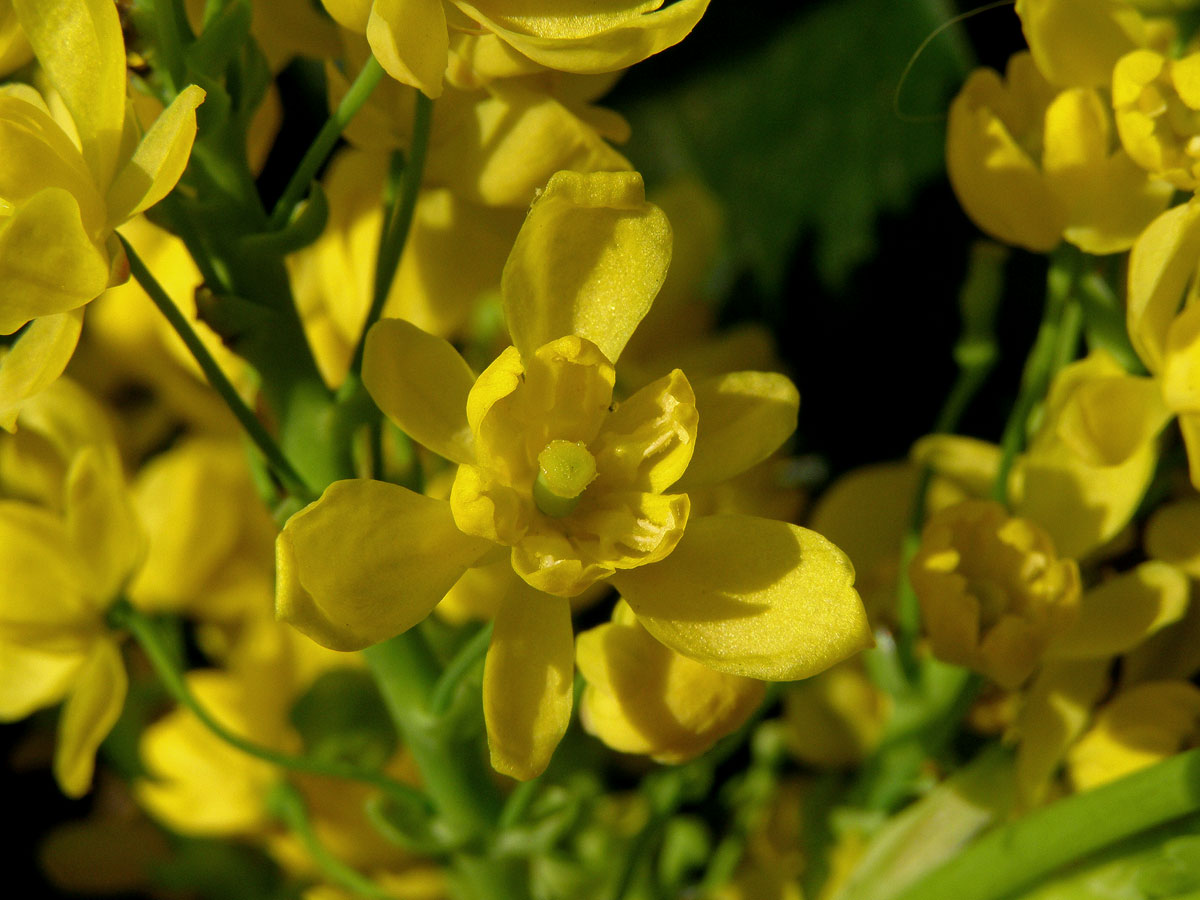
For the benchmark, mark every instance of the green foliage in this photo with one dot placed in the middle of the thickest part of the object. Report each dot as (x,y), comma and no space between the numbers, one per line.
(799,137)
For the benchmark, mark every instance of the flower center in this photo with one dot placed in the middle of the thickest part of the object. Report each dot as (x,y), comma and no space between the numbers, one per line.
(565,468)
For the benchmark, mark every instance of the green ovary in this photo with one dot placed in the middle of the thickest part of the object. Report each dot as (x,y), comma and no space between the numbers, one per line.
(565,469)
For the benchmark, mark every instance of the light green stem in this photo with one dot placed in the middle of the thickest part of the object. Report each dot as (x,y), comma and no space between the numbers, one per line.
(1019,855)
(360,91)
(470,654)
(220,383)
(125,615)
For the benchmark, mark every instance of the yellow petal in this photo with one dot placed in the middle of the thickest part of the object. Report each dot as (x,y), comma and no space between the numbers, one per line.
(1142,726)
(1173,535)
(43,596)
(744,418)
(751,597)
(1077,42)
(1122,612)
(512,141)
(421,383)
(1107,420)
(1161,264)
(410,40)
(32,678)
(624,530)
(588,261)
(1054,713)
(488,508)
(88,716)
(350,14)
(35,361)
(38,154)
(48,263)
(527,682)
(647,443)
(367,561)
(997,182)
(159,159)
(589,37)
(79,45)
(102,524)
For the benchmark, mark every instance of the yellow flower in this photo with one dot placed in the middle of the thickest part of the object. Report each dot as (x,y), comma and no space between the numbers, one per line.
(61,567)
(643,697)
(1077,42)
(993,593)
(63,193)
(412,39)
(1141,726)
(539,430)
(1033,165)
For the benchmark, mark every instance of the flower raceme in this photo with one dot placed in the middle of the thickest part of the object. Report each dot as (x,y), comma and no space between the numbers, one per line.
(577,488)
(67,184)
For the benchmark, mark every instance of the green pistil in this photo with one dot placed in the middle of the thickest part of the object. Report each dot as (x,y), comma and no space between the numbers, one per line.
(565,469)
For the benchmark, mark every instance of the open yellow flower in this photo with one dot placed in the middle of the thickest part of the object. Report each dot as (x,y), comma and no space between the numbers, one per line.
(65,187)
(411,38)
(1032,165)
(575,484)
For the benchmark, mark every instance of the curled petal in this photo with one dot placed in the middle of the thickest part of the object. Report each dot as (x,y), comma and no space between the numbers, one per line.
(487,508)
(421,383)
(625,530)
(752,597)
(744,418)
(1161,265)
(588,261)
(527,682)
(549,562)
(647,443)
(367,561)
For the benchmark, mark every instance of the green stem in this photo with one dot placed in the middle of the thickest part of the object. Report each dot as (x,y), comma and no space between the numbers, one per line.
(212,371)
(125,615)
(406,672)
(452,772)
(471,653)
(360,91)
(1019,855)
(1040,365)
(398,222)
(289,806)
